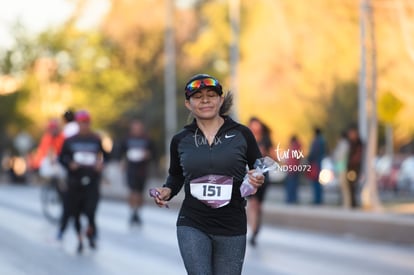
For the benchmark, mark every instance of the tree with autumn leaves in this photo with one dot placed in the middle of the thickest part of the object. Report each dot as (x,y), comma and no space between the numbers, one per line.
(299,63)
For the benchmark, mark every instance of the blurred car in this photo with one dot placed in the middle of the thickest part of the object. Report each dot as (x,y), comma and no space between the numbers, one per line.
(394,173)
(15,167)
(388,169)
(327,175)
(405,177)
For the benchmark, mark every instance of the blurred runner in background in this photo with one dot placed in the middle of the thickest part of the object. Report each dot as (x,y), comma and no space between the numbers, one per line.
(262,134)
(71,127)
(137,150)
(83,156)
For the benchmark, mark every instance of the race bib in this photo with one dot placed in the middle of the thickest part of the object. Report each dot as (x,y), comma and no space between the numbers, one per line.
(212,190)
(135,154)
(85,158)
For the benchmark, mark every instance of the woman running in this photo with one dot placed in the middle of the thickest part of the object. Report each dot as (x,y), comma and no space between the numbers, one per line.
(209,158)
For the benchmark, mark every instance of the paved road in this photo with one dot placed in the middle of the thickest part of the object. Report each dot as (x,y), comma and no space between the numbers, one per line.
(28,245)
(395,223)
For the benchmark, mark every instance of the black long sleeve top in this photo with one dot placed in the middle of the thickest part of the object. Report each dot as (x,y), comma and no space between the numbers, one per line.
(233,150)
(86,151)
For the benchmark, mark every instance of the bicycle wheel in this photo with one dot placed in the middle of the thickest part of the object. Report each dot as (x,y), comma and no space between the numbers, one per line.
(51,202)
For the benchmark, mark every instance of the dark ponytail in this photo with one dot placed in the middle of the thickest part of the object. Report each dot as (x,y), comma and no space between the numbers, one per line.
(227,104)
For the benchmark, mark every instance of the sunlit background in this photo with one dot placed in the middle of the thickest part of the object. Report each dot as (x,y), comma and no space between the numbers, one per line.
(298,63)
(294,64)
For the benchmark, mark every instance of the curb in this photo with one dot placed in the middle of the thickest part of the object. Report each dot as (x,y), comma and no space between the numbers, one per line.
(386,227)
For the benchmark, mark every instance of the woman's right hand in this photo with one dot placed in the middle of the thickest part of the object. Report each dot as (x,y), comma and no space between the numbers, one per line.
(164,193)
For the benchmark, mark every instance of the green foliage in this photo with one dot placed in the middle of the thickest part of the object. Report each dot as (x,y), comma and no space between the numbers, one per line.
(10,117)
(20,57)
(79,69)
(14,63)
(100,83)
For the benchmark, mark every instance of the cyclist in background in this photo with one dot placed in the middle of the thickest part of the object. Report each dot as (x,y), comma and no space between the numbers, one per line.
(48,150)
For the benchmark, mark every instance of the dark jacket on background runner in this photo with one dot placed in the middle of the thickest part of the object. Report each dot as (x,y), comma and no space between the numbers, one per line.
(83,183)
(134,150)
(85,151)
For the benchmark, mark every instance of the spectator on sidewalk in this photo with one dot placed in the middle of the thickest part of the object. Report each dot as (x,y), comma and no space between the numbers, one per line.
(316,154)
(293,174)
(340,161)
(354,163)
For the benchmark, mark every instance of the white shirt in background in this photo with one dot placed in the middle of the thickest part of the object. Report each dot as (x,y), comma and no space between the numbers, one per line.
(70,129)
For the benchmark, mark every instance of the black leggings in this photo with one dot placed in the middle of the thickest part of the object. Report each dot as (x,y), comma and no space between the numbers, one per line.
(79,201)
(205,254)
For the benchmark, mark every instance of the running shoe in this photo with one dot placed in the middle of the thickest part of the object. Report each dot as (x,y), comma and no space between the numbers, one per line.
(59,236)
(91,238)
(252,241)
(135,219)
(80,248)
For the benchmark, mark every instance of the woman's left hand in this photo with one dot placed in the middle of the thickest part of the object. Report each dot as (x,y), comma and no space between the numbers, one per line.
(256,180)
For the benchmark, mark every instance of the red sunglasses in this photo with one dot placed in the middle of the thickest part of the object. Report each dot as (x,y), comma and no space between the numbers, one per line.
(197,84)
